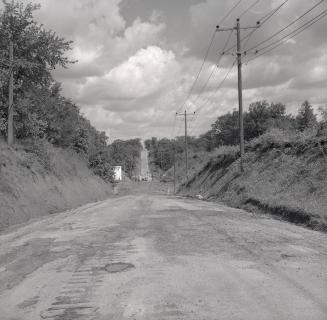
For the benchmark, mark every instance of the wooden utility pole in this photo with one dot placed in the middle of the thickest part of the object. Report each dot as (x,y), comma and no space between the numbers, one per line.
(240,87)
(10,132)
(186,147)
(174,167)
(185,114)
(240,92)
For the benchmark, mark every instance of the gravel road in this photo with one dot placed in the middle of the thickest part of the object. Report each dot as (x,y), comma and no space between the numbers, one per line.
(154,256)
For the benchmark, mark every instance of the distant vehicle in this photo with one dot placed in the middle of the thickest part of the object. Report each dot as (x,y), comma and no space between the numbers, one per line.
(117,173)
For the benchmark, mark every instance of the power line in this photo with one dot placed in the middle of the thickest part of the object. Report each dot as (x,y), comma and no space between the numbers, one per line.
(249,8)
(201,68)
(270,14)
(290,35)
(218,87)
(262,21)
(286,27)
(207,53)
(215,68)
(238,29)
(212,94)
(230,12)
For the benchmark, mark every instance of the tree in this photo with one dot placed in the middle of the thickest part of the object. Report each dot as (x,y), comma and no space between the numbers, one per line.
(323,113)
(126,154)
(323,123)
(255,120)
(306,117)
(225,129)
(262,117)
(36,51)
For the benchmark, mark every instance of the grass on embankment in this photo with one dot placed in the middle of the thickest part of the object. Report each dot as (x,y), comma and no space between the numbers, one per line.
(38,179)
(285,175)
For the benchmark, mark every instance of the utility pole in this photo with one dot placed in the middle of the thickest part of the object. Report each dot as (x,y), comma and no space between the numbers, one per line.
(174,167)
(10,132)
(240,87)
(186,147)
(185,114)
(240,92)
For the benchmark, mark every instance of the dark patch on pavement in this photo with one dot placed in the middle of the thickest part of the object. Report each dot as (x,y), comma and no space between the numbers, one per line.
(29,302)
(118,267)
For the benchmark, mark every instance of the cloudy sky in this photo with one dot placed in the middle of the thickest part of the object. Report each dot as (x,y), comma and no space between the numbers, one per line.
(138,59)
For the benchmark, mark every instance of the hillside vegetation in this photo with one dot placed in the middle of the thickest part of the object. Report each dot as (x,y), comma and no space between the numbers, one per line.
(284,175)
(56,158)
(285,162)
(43,180)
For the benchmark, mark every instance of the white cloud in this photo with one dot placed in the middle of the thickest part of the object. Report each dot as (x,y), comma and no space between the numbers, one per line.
(82,18)
(142,74)
(131,77)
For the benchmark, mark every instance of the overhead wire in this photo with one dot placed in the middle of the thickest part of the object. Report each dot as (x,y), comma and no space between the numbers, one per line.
(207,53)
(262,21)
(217,88)
(216,67)
(230,12)
(273,45)
(249,8)
(199,72)
(223,52)
(211,42)
(287,26)
(212,94)
(290,35)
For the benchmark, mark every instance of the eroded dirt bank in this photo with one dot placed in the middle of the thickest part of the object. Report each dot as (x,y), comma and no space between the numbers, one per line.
(33,186)
(285,179)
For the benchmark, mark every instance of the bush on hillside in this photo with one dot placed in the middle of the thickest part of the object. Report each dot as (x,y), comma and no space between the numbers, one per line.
(39,150)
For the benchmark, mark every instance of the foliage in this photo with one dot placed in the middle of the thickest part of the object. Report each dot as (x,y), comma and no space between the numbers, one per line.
(258,119)
(306,117)
(322,128)
(161,151)
(36,50)
(42,113)
(225,129)
(264,124)
(323,112)
(126,154)
(40,150)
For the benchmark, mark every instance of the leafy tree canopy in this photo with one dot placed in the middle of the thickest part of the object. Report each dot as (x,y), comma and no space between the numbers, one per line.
(36,49)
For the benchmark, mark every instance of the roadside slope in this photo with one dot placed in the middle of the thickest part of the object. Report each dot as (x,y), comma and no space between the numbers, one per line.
(44,181)
(284,177)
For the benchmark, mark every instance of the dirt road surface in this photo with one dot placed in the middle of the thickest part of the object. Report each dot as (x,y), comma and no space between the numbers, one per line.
(153,256)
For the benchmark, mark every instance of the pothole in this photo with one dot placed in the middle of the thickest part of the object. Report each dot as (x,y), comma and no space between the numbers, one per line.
(118,267)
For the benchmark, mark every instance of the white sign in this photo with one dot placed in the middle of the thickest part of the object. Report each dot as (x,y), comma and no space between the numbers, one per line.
(117,173)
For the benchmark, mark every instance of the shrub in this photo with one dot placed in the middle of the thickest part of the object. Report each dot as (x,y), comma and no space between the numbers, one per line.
(226,151)
(40,148)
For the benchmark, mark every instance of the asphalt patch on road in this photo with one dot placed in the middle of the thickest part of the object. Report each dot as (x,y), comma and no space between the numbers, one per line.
(118,267)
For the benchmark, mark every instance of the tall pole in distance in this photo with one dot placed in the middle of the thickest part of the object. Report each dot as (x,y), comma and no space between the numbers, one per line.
(240,89)
(186,147)
(10,133)
(185,114)
(240,92)
(174,167)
